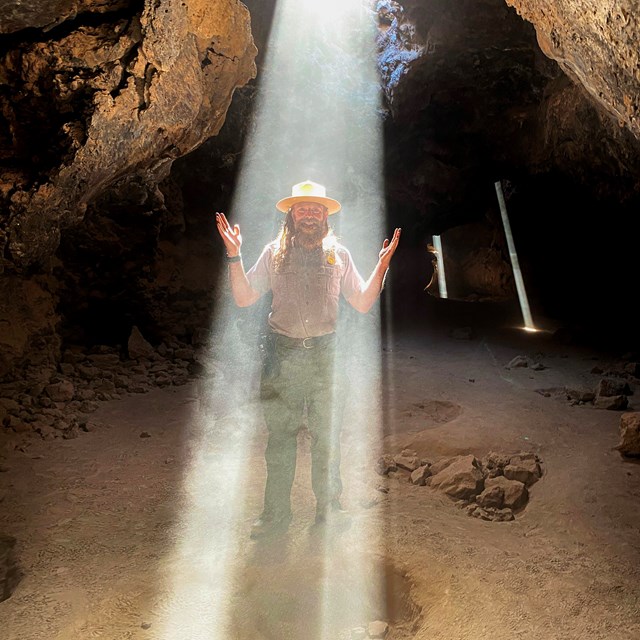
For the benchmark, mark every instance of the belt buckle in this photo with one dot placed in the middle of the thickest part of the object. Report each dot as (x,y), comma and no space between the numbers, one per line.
(304,342)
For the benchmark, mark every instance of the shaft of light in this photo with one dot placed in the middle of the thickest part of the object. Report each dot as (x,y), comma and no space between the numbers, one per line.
(317,117)
(442,281)
(517,273)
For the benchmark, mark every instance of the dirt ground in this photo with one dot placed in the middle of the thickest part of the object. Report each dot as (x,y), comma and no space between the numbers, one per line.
(122,536)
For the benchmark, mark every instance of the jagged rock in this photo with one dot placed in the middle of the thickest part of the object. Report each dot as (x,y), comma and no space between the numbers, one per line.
(613,403)
(87,372)
(580,395)
(491,497)
(495,460)
(62,391)
(629,434)
(137,346)
(385,464)
(608,387)
(407,460)
(420,475)
(526,471)
(460,479)
(515,492)
(574,38)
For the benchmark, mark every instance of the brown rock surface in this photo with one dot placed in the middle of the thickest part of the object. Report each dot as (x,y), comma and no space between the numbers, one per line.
(596,44)
(630,434)
(158,85)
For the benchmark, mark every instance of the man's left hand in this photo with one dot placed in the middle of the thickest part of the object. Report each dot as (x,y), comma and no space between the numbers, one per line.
(388,249)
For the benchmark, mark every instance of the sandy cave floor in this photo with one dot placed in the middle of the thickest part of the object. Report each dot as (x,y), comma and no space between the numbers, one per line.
(122,536)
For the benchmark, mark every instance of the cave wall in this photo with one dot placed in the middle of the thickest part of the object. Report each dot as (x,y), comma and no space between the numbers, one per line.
(596,44)
(97,99)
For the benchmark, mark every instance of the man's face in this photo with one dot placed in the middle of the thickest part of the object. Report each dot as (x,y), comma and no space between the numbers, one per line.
(310,221)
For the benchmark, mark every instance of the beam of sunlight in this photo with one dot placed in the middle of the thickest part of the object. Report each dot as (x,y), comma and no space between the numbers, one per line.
(517,273)
(442,281)
(317,117)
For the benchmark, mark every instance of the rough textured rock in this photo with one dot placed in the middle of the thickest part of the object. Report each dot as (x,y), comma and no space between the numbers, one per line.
(28,323)
(128,98)
(630,434)
(515,493)
(117,93)
(460,479)
(596,44)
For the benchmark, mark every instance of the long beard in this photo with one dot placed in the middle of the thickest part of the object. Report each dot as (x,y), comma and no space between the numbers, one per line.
(311,236)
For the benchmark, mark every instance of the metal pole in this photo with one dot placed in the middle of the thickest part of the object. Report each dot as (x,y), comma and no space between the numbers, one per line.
(517,273)
(442,281)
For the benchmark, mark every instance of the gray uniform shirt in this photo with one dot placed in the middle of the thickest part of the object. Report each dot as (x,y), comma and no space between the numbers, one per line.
(307,289)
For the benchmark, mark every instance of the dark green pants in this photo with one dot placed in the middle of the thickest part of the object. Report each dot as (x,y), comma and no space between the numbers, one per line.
(298,378)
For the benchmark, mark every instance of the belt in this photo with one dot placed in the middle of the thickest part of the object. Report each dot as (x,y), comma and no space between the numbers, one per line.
(310,342)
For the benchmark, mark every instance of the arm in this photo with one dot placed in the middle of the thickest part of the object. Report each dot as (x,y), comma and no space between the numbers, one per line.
(363,300)
(243,293)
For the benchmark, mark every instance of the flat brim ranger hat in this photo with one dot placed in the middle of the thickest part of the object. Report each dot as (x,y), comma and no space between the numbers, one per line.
(308,192)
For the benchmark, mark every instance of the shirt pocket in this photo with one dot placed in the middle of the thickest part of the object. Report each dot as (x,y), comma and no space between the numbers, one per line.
(330,276)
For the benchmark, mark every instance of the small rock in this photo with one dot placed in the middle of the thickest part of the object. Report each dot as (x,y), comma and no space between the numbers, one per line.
(491,497)
(385,464)
(612,403)
(461,479)
(408,460)
(526,471)
(146,625)
(137,346)
(538,366)
(580,395)
(70,433)
(612,387)
(629,434)
(515,492)
(519,362)
(378,629)
(145,434)
(420,475)
(358,633)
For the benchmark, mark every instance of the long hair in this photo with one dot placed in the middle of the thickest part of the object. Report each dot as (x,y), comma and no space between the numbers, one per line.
(285,239)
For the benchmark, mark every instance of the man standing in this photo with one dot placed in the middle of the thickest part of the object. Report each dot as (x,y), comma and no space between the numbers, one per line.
(306,269)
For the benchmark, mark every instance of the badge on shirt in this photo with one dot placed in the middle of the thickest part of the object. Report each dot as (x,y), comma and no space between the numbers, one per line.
(331,256)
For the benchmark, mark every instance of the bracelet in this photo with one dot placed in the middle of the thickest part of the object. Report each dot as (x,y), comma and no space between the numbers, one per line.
(234,258)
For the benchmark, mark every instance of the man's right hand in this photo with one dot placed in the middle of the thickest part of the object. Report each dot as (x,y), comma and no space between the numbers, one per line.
(230,235)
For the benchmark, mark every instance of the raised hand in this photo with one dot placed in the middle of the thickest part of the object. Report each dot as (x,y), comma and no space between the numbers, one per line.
(230,235)
(388,249)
